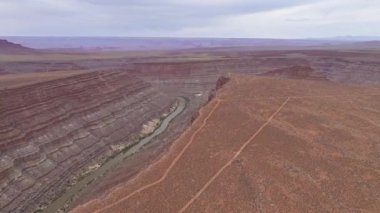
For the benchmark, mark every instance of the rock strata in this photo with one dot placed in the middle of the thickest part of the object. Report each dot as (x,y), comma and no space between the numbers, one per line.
(50,131)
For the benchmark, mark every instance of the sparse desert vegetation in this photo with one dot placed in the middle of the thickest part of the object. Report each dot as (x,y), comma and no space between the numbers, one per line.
(262,130)
(258,149)
(221,106)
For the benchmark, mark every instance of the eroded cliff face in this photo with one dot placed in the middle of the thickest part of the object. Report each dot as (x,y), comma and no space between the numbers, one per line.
(193,80)
(331,65)
(51,131)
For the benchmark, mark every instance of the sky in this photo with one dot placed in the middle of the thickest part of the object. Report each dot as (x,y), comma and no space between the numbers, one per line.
(191,18)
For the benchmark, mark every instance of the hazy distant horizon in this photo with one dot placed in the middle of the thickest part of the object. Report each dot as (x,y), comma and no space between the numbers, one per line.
(167,43)
(287,19)
(346,37)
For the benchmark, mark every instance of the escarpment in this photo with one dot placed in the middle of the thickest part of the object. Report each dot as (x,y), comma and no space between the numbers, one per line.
(59,128)
(354,71)
(7,47)
(50,131)
(182,79)
(296,72)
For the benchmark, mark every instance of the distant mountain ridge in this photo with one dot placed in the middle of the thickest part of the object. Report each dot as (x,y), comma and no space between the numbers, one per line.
(78,44)
(7,47)
(156,43)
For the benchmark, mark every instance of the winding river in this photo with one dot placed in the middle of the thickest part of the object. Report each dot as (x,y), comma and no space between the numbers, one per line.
(115,160)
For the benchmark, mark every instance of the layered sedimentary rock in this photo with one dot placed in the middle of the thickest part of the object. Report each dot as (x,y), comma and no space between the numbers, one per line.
(51,130)
(186,77)
(265,145)
(338,66)
(196,94)
(354,70)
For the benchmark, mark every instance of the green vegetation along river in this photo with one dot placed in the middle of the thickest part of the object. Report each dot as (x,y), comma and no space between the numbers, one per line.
(114,161)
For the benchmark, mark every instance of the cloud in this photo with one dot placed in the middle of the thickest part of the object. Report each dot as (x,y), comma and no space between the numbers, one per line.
(320,19)
(199,18)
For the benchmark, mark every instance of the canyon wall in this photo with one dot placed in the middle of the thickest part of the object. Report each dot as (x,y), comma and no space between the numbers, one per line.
(337,66)
(50,131)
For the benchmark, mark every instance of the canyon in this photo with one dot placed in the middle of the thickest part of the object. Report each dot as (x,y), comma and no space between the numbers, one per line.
(300,146)
(263,129)
(51,130)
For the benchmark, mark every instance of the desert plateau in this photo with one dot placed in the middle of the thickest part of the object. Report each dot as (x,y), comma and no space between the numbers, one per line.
(221,106)
(258,130)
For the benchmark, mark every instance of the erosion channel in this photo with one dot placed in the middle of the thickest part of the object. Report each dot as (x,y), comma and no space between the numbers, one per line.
(60,202)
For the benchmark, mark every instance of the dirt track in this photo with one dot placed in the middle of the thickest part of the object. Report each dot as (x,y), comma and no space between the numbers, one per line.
(54,122)
(291,163)
(233,158)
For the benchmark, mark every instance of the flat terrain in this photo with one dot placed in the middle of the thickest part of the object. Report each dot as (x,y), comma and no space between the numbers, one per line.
(8,81)
(266,144)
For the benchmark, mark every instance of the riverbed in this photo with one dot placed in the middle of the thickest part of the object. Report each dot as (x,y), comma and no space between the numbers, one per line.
(114,161)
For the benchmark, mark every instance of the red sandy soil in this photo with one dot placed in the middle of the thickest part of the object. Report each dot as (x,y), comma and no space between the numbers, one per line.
(41,108)
(265,144)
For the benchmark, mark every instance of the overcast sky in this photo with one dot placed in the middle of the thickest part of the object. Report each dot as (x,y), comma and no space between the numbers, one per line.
(191,18)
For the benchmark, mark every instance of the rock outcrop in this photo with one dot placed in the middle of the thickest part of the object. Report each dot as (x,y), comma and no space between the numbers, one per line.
(50,131)
(7,47)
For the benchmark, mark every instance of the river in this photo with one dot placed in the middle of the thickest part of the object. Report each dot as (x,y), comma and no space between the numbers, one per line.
(113,161)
